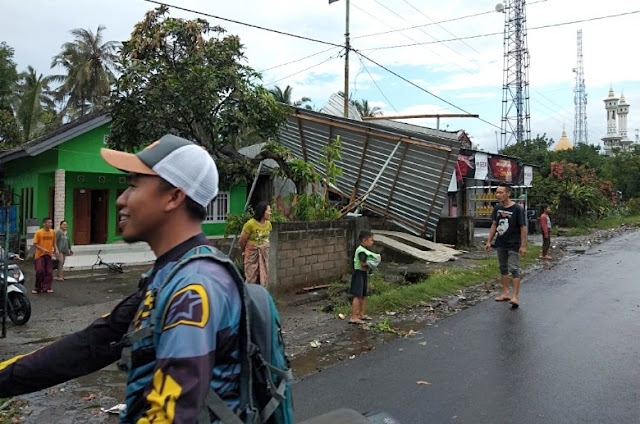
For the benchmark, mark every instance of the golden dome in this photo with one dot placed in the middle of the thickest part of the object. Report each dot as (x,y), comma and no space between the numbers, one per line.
(564,143)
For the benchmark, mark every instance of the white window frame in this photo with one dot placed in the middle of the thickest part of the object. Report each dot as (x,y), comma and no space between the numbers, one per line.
(218,209)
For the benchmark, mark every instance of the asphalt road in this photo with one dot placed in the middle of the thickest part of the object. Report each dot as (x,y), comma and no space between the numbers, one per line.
(569,354)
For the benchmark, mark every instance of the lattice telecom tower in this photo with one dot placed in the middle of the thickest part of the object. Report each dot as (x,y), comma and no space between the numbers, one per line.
(580,100)
(515,90)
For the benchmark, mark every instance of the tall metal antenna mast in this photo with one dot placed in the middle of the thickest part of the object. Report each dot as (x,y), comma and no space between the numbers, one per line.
(515,90)
(580,100)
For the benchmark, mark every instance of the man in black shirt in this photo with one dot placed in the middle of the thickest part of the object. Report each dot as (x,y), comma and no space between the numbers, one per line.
(511,241)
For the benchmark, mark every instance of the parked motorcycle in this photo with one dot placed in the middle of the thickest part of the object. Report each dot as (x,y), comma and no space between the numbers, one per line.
(18,305)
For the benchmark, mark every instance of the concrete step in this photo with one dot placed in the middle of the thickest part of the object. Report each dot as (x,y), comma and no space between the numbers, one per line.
(84,257)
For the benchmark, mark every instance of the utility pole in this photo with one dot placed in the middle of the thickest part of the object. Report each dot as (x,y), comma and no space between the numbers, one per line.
(515,90)
(580,134)
(347,47)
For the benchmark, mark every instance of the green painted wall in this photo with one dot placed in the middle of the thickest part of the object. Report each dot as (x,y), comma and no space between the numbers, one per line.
(44,162)
(82,153)
(80,158)
(237,199)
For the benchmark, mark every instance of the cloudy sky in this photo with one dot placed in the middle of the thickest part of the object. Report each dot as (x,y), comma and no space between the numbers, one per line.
(467,73)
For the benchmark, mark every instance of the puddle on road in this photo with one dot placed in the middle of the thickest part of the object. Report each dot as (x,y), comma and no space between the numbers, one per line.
(354,341)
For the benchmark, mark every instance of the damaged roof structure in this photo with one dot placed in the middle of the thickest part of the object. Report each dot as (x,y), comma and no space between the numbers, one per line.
(399,171)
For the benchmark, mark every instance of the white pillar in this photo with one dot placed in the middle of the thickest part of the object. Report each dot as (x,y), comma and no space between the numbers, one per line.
(59,198)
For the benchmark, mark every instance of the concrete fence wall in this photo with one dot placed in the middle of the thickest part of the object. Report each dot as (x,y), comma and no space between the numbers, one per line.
(308,253)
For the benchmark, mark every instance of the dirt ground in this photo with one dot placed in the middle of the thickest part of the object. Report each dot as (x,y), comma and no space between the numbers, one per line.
(314,339)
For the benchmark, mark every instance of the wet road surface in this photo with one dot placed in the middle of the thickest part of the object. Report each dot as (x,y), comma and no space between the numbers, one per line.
(569,354)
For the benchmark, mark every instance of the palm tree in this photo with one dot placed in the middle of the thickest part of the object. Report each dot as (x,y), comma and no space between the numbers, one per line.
(88,62)
(365,110)
(286,98)
(33,103)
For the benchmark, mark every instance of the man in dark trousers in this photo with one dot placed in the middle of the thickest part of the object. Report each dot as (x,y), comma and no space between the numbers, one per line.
(511,241)
(188,323)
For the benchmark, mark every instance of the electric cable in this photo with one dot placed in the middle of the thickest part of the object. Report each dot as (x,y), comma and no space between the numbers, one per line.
(421,88)
(298,60)
(438,22)
(303,70)
(448,32)
(275,31)
(470,37)
(376,84)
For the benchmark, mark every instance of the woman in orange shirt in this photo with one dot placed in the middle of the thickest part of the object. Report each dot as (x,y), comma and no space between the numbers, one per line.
(44,242)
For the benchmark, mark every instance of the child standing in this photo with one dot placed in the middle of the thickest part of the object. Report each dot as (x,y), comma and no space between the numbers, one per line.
(545,225)
(363,261)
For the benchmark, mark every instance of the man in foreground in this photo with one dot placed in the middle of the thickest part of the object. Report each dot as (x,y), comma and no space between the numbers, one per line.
(511,241)
(194,343)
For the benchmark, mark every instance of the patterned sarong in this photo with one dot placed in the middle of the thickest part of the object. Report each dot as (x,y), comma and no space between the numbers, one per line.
(256,263)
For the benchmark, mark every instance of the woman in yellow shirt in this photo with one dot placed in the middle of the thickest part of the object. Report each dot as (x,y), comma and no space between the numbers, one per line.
(254,242)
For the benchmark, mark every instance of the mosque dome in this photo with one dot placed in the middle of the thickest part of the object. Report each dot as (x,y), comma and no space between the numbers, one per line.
(564,143)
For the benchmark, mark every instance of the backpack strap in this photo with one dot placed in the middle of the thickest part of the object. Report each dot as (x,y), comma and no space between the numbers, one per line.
(277,393)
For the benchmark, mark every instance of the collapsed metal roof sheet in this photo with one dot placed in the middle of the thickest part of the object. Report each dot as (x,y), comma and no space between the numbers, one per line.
(402,175)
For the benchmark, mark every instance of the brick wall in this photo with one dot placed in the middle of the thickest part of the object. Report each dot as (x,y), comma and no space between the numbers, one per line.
(307,253)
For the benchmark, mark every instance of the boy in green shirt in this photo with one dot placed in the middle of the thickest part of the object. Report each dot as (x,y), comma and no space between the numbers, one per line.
(363,261)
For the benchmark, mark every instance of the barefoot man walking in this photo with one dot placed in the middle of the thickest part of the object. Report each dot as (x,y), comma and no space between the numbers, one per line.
(511,241)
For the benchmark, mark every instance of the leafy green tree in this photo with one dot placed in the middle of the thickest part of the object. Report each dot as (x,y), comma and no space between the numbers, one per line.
(189,78)
(366,110)
(35,107)
(88,62)
(624,170)
(533,152)
(285,96)
(9,132)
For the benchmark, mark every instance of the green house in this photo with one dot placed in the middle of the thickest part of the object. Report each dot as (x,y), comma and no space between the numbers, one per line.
(62,175)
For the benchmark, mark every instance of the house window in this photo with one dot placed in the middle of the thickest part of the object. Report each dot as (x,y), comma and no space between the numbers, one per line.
(219,208)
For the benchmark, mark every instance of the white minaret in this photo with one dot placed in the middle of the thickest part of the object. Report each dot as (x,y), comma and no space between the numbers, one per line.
(623,111)
(611,104)
(612,139)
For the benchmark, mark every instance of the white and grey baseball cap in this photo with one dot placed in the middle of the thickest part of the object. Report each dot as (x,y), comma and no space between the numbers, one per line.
(178,161)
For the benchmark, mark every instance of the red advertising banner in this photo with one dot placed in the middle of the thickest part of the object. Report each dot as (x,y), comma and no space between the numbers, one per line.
(503,169)
(484,166)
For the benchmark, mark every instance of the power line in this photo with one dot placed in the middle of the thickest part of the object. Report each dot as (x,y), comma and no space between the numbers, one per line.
(301,37)
(421,30)
(421,88)
(597,18)
(438,22)
(305,69)
(384,22)
(297,60)
(449,32)
(376,84)
(425,25)
(408,37)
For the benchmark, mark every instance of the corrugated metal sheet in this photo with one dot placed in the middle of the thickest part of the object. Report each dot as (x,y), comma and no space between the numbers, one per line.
(335,107)
(412,189)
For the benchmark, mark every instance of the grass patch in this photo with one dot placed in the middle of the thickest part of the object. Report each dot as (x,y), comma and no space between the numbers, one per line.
(616,221)
(393,297)
(576,231)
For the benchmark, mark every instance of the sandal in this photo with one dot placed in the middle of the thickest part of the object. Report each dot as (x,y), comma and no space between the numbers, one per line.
(366,318)
(49,291)
(34,291)
(356,321)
